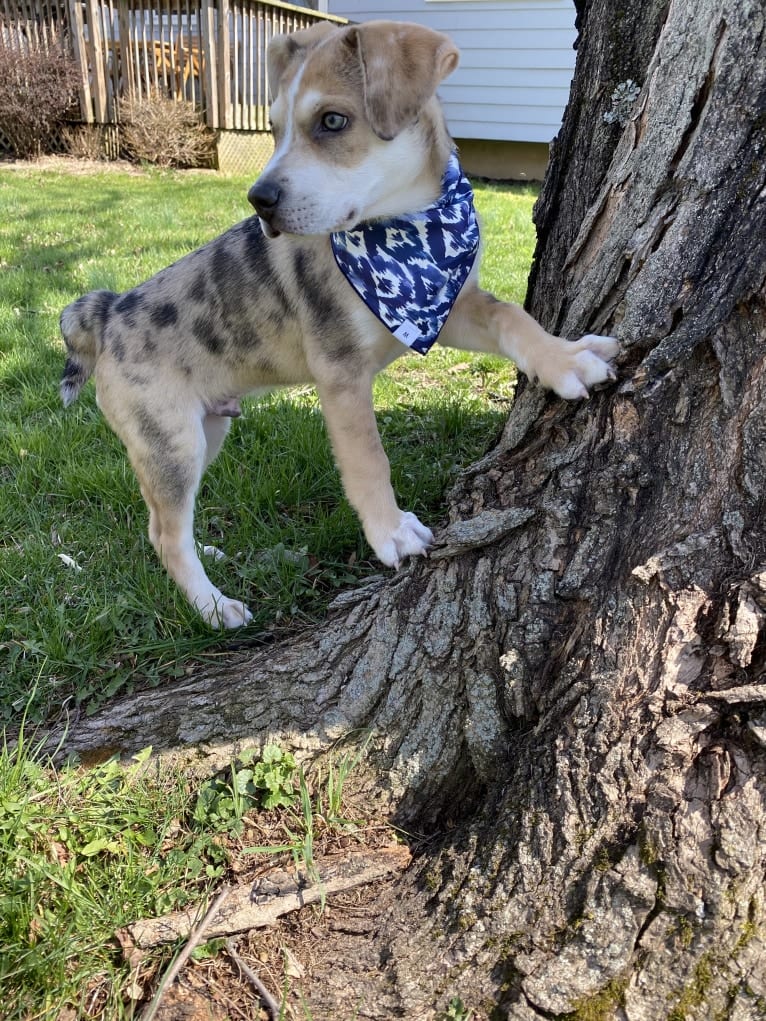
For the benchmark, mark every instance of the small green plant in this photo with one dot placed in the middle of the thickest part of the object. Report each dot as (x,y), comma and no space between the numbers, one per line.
(270,783)
(316,806)
(337,776)
(457,1011)
(302,838)
(274,778)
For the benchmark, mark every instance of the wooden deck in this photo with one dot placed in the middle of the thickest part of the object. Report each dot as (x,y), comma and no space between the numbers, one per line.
(207,52)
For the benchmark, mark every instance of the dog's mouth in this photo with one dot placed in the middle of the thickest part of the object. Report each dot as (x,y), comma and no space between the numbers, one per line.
(349,222)
(269,231)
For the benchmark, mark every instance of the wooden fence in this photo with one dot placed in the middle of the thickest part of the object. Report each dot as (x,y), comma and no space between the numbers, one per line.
(207,52)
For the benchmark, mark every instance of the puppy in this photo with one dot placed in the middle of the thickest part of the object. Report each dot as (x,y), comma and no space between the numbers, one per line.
(364,245)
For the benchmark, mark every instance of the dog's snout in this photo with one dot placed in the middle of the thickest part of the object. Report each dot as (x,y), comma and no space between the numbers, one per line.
(264,197)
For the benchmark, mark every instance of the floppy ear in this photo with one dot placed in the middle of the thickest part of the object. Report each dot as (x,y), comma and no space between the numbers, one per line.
(284,49)
(402,65)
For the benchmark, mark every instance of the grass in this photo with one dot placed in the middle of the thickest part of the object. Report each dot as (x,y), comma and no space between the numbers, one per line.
(85,609)
(81,854)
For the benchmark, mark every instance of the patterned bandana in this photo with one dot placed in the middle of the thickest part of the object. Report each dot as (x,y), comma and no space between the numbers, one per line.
(409,270)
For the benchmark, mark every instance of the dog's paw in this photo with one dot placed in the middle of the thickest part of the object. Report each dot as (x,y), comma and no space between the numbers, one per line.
(222,612)
(410,538)
(580,365)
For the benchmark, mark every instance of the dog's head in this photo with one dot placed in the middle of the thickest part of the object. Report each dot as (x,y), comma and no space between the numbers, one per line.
(358,131)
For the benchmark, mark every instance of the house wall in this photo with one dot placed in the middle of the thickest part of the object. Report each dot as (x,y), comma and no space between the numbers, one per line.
(512,84)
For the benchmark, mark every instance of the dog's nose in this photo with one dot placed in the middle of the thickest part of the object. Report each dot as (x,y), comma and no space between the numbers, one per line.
(264,197)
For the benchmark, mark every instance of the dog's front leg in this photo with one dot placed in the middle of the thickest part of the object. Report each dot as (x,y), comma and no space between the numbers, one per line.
(393,534)
(479,322)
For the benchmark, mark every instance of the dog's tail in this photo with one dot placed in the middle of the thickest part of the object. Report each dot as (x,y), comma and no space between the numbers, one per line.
(82,324)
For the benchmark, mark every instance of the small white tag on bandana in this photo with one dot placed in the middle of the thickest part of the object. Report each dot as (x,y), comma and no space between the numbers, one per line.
(408,333)
(409,270)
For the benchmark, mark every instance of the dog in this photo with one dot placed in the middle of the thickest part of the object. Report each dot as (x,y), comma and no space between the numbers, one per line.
(363,169)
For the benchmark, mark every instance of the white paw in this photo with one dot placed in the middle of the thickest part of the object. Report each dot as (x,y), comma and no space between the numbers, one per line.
(220,612)
(410,538)
(581,365)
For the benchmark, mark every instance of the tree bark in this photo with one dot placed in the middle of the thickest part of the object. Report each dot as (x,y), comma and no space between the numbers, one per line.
(571,690)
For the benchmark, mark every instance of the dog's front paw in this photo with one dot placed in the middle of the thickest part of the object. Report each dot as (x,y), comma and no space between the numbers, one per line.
(581,365)
(222,612)
(410,538)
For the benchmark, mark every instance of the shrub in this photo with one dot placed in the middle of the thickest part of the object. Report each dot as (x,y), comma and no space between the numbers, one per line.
(156,129)
(86,141)
(38,86)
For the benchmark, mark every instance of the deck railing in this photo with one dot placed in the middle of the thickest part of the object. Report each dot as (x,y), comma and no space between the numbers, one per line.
(211,53)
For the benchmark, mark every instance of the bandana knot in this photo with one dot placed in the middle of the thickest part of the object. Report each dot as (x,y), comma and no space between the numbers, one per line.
(409,270)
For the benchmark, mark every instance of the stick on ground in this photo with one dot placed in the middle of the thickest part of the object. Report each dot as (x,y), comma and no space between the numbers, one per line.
(195,938)
(246,909)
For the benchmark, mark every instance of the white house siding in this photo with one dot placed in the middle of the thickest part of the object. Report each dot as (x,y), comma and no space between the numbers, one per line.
(515,67)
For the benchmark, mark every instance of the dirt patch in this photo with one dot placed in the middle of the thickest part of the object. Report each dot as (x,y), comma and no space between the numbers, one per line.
(318,963)
(298,962)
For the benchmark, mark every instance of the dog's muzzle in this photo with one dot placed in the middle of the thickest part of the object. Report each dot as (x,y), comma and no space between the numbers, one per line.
(264,198)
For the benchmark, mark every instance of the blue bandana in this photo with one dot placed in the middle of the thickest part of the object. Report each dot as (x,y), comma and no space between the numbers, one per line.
(409,270)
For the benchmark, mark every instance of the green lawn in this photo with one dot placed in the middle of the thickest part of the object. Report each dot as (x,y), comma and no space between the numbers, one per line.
(85,609)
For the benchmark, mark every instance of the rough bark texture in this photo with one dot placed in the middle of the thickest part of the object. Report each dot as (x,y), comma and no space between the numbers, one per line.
(615,44)
(574,682)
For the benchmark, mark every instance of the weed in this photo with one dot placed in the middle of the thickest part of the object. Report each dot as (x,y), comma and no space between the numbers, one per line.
(316,804)
(329,798)
(274,776)
(222,802)
(456,1011)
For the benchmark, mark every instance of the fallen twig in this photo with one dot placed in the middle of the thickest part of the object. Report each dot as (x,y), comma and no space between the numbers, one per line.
(257,906)
(195,938)
(267,999)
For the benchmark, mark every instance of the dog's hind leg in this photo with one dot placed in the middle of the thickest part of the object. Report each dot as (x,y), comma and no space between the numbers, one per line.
(169,457)
(479,322)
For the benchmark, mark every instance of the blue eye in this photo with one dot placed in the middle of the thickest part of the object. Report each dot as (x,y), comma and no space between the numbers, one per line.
(334,121)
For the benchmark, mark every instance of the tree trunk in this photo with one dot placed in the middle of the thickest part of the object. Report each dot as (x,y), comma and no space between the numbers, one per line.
(571,690)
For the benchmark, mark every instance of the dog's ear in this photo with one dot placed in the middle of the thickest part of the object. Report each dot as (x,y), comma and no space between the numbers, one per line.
(402,65)
(285,49)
